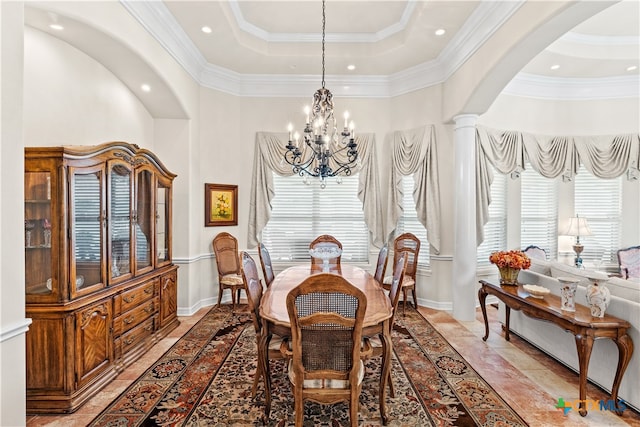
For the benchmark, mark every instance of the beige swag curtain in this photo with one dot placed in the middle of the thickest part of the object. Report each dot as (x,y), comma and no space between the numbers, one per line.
(414,153)
(551,156)
(268,158)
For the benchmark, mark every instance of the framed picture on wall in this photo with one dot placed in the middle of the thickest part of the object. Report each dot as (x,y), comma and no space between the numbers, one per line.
(220,205)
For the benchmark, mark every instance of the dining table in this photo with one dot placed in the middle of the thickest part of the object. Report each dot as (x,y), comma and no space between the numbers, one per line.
(275,318)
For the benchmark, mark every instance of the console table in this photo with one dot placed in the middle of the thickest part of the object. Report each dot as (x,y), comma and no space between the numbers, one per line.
(580,323)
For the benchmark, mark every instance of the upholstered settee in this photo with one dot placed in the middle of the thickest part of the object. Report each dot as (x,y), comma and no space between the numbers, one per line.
(625,304)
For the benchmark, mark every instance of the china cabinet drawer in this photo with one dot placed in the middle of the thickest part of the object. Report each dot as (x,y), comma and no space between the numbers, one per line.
(131,319)
(135,336)
(132,298)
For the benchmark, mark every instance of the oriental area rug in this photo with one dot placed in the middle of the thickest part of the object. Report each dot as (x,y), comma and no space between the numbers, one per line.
(205,379)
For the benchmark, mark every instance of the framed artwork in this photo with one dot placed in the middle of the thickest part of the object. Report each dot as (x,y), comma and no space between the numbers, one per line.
(220,205)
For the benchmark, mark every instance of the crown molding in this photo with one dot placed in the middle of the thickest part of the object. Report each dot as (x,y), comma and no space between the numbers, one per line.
(483,22)
(266,36)
(573,89)
(592,40)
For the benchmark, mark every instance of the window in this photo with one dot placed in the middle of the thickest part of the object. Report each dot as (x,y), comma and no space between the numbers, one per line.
(408,222)
(300,213)
(495,230)
(539,212)
(600,202)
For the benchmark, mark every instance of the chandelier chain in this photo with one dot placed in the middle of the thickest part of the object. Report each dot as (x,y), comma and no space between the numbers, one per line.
(324,22)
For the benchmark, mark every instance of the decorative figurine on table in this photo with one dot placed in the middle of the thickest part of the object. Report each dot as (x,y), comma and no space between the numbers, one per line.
(29,225)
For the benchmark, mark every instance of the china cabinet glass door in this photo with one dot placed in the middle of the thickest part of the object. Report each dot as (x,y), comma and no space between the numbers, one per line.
(143,220)
(88,217)
(119,195)
(163,254)
(37,233)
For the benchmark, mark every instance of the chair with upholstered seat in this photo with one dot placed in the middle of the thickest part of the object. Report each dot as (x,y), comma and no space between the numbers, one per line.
(536,252)
(326,314)
(629,262)
(399,270)
(225,248)
(325,240)
(254,297)
(381,264)
(265,261)
(409,243)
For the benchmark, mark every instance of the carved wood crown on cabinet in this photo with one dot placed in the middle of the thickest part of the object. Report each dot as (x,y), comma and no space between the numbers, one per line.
(101,288)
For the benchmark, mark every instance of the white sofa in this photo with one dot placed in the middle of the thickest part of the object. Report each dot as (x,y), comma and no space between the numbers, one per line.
(625,304)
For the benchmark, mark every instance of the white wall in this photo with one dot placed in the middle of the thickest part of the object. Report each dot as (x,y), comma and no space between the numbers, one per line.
(70,99)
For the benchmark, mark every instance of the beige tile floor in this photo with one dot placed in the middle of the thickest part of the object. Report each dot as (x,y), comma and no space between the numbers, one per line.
(527,379)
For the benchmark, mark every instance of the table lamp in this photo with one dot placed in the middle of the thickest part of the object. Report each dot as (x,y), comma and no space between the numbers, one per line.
(578,227)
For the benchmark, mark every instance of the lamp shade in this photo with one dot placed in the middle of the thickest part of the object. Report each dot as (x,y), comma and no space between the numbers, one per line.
(578,227)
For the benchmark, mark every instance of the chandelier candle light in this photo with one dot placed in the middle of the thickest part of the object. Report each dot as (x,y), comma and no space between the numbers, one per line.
(333,153)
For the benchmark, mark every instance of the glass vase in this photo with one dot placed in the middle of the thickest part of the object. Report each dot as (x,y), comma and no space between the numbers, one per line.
(508,275)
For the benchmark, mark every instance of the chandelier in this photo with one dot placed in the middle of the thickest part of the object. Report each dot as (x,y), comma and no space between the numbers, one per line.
(333,152)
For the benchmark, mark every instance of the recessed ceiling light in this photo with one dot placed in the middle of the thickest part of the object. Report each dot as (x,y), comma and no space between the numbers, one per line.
(554,67)
(632,68)
(206,29)
(351,67)
(57,27)
(145,87)
(440,31)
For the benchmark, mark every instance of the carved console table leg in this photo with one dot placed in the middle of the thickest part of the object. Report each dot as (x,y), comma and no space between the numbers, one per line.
(482,298)
(584,345)
(625,351)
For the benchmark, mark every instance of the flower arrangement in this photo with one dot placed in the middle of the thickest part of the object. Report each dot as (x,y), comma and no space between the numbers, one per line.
(223,206)
(513,259)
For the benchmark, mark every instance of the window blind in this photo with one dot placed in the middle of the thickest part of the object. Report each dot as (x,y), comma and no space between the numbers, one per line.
(495,230)
(600,202)
(539,212)
(300,213)
(409,223)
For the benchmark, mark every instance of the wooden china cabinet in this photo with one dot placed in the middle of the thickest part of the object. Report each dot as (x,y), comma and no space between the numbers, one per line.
(101,287)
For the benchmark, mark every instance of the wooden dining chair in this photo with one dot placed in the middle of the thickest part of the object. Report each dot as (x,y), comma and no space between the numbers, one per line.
(265,262)
(326,314)
(410,244)
(254,297)
(375,343)
(325,240)
(381,264)
(225,248)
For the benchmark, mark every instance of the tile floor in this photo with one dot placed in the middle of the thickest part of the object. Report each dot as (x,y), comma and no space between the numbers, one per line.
(527,379)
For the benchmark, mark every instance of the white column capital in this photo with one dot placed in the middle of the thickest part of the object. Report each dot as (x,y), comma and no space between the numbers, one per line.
(465,120)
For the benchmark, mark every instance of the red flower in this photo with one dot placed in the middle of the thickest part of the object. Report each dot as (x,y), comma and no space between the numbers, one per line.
(513,259)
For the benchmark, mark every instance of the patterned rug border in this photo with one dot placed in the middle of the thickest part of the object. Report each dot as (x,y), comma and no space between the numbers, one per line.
(466,399)
(445,373)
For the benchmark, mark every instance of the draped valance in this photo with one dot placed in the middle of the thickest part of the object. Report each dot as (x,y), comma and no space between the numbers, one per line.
(607,156)
(268,158)
(414,153)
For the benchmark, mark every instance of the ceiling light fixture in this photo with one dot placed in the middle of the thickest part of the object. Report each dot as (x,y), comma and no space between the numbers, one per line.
(206,29)
(440,31)
(328,152)
(351,67)
(56,27)
(555,67)
(632,68)
(145,87)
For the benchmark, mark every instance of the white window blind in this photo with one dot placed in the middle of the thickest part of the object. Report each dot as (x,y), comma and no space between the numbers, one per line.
(600,202)
(300,213)
(539,212)
(408,222)
(495,230)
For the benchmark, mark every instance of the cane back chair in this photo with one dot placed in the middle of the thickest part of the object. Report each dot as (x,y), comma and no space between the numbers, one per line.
(410,244)
(225,248)
(326,314)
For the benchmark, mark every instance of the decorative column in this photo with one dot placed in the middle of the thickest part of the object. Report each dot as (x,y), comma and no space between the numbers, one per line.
(464,293)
